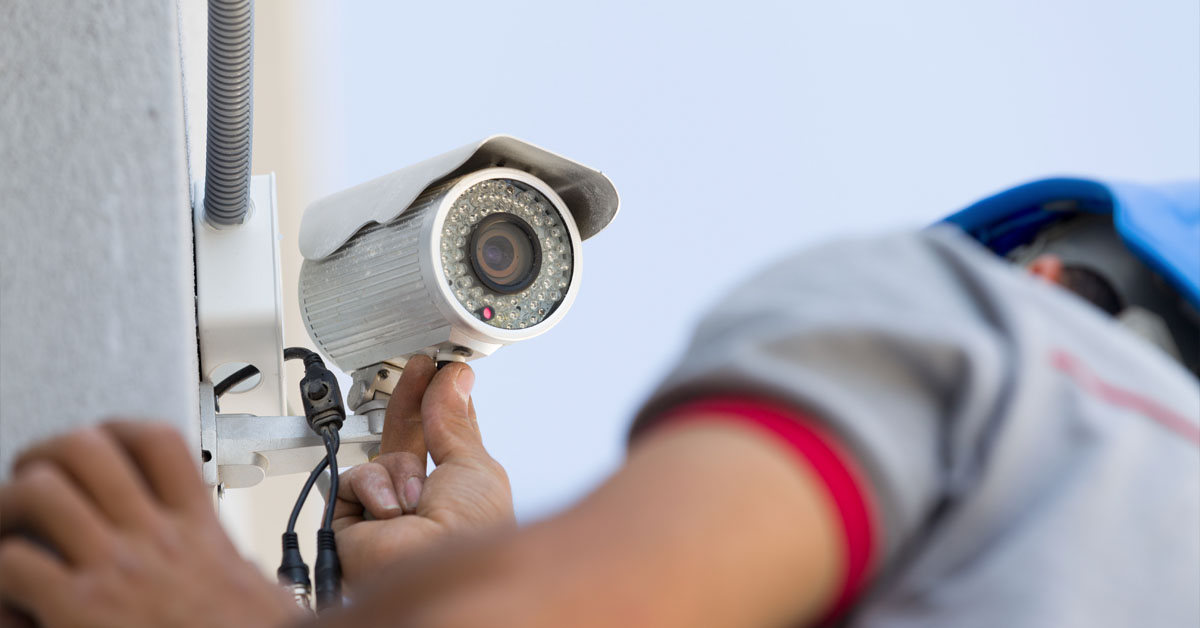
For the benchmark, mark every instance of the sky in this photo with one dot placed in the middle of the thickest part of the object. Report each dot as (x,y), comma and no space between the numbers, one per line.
(735,133)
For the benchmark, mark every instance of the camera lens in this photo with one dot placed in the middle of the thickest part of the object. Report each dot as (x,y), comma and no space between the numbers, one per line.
(505,253)
(498,254)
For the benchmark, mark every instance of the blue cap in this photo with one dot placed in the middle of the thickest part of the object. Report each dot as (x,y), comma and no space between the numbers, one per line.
(1159,223)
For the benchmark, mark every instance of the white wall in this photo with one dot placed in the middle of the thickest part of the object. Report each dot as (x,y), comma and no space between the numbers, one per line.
(97,316)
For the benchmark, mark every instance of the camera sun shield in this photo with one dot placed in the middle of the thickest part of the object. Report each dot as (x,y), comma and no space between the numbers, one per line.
(330,222)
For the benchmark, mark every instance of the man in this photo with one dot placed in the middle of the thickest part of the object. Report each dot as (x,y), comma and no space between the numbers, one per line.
(888,432)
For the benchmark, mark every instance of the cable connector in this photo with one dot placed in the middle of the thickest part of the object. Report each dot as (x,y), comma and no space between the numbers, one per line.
(328,572)
(293,572)
(322,397)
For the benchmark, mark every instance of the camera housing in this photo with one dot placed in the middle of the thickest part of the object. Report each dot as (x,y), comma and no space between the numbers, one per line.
(453,257)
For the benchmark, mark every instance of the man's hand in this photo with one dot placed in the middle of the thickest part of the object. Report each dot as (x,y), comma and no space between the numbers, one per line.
(112,526)
(467,493)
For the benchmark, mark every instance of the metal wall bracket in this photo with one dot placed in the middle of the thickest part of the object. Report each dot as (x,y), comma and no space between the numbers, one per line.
(208,435)
(244,448)
(239,304)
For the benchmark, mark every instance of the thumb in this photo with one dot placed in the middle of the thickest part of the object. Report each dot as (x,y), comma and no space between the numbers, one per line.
(450,426)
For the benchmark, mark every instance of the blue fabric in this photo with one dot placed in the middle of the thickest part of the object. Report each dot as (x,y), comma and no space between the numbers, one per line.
(1159,223)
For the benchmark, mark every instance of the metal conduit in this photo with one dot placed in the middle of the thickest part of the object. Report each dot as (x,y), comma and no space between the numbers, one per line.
(230,111)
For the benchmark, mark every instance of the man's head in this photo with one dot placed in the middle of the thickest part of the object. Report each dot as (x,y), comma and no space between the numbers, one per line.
(1130,249)
(1084,254)
(1081,280)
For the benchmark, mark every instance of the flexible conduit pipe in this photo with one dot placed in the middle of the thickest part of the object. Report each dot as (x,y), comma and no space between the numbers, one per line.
(230,109)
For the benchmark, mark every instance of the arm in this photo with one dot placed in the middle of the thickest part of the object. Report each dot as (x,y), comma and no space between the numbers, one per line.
(710,523)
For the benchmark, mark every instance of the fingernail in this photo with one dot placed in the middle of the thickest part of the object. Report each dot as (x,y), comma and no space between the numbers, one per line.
(386,496)
(412,493)
(392,511)
(464,381)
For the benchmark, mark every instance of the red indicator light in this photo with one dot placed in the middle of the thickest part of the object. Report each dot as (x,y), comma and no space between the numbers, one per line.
(487,313)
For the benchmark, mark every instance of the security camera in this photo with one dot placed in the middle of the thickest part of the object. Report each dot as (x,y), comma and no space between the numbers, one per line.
(452,257)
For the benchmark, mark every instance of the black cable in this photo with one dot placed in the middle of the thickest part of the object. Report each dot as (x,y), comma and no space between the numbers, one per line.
(239,376)
(292,568)
(325,410)
(333,442)
(298,353)
(328,569)
(308,484)
(248,371)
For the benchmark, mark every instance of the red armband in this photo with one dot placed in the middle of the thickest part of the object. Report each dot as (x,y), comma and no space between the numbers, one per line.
(821,451)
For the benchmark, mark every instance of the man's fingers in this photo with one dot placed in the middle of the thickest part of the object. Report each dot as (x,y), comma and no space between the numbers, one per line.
(165,461)
(98,465)
(450,429)
(41,500)
(367,487)
(408,476)
(402,431)
(31,579)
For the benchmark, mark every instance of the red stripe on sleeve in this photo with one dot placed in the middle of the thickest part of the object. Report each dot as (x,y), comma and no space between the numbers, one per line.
(821,451)
(1147,407)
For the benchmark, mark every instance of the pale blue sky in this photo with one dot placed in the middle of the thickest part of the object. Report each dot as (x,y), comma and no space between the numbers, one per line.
(736,132)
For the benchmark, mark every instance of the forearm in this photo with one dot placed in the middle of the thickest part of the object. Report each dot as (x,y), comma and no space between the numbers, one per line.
(707,524)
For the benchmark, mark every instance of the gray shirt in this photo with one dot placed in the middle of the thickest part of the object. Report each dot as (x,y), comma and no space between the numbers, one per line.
(1034,463)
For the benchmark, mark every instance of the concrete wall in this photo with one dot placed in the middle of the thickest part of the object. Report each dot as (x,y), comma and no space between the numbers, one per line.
(97,313)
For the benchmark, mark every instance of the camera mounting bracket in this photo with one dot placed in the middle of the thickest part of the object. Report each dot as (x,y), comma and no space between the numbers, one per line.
(241,450)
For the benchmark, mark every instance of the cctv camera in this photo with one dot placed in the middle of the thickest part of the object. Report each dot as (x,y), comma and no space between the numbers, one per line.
(453,257)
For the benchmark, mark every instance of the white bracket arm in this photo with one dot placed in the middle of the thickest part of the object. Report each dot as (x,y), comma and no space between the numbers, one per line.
(240,450)
(248,448)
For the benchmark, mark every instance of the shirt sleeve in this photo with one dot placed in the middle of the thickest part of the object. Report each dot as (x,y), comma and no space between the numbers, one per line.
(885,344)
(844,483)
